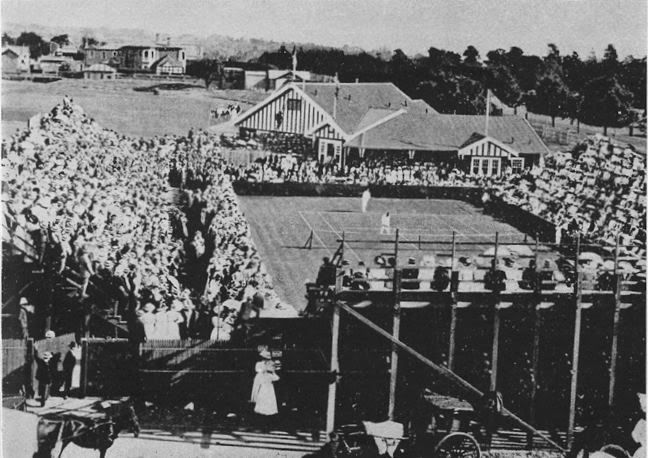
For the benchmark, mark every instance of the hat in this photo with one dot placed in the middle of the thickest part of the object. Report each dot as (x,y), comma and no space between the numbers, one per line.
(50,334)
(24,301)
(411,261)
(265,354)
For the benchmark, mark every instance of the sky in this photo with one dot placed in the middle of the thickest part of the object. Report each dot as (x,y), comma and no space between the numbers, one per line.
(584,26)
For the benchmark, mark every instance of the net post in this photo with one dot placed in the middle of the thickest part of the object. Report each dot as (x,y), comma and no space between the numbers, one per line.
(496,246)
(454,251)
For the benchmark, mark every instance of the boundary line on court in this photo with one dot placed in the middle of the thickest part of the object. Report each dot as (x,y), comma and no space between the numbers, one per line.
(315,234)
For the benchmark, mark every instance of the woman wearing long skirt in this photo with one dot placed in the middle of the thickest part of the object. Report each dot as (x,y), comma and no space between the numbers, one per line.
(263,393)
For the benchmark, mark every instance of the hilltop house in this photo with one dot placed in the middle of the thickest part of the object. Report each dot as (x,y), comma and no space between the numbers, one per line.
(151,58)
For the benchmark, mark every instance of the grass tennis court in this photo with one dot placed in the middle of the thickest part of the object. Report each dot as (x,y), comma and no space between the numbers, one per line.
(281,226)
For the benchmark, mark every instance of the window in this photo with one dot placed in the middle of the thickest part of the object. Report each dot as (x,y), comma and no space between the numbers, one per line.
(475,166)
(517,164)
(294,104)
(182,55)
(494,167)
(145,54)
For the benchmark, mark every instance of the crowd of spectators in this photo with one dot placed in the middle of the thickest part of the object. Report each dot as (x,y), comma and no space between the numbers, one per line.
(597,190)
(88,201)
(287,168)
(94,208)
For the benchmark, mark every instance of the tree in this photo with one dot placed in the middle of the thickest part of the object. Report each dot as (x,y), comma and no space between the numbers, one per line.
(7,40)
(208,70)
(471,56)
(37,46)
(550,96)
(606,103)
(61,40)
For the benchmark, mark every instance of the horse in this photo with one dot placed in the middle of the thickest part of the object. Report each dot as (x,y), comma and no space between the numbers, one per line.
(85,432)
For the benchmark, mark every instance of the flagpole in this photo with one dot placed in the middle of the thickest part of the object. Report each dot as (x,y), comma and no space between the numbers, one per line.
(487,110)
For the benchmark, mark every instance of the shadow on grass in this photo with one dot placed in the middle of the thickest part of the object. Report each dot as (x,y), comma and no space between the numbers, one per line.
(167,87)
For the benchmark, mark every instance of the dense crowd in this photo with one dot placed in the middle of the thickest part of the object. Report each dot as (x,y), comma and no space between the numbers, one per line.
(96,206)
(597,190)
(95,209)
(287,168)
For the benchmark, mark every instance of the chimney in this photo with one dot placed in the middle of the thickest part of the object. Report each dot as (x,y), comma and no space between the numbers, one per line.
(168,41)
(157,38)
(357,80)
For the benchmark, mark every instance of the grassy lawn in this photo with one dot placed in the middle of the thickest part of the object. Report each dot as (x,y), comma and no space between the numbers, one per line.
(128,106)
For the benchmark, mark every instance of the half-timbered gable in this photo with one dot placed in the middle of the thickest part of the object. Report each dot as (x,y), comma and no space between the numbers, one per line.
(289,111)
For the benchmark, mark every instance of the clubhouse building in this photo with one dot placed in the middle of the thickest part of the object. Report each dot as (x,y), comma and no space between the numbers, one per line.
(353,121)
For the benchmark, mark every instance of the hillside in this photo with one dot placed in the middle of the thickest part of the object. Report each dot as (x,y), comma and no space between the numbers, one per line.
(215,45)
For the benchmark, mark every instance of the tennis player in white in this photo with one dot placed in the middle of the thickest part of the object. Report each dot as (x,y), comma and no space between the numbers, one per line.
(366,195)
(385,224)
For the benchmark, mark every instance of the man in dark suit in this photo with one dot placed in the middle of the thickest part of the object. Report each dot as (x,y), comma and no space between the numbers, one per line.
(46,367)
(190,328)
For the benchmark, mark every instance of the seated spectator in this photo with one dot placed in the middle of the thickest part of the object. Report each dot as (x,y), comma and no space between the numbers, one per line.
(529,276)
(326,273)
(410,272)
(495,278)
(441,279)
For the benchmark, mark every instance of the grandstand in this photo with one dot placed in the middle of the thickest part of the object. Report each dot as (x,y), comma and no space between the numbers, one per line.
(187,258)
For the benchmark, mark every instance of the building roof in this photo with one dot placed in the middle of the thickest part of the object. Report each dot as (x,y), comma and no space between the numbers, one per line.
(354,100)
(412,131)
(17,50)
(167,61)
(100,68)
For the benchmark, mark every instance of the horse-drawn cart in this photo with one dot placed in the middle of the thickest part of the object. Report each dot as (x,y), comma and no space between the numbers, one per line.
(440,429)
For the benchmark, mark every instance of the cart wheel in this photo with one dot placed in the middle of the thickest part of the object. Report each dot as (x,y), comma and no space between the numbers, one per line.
(457,445)
(616,451)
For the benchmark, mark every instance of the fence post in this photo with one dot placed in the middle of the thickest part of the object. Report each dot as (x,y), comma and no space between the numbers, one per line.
(615,325)
(576,350)
(29,369)
(84,367)
(393,371)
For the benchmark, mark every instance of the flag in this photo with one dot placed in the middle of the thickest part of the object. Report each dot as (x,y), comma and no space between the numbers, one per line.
(488,96)
(337,84)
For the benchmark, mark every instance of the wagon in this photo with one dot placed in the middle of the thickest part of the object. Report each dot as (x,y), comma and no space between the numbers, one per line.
(440,429)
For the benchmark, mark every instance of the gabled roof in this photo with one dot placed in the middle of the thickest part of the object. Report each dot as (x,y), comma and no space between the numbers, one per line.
(476,138)
(354,100)
(10,51)
(167,60)
(17,50)
(411,131)
(100,68)
(374,115)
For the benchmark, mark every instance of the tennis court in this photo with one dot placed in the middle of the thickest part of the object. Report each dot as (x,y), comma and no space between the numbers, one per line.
(281,226)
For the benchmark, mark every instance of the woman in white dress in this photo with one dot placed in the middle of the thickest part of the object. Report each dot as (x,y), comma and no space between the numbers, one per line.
(174,318)
(263,393)
(161,330)
(147,318)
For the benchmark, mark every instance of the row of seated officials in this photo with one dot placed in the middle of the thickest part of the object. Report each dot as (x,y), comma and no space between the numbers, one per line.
(494,279)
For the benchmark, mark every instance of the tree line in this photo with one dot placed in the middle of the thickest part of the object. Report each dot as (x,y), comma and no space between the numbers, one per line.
(603,91)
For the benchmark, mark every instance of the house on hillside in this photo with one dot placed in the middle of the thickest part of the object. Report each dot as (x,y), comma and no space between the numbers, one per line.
(101,54)
(52,65)
(349,122)
(15,60)
(146,58)
(256,79)
(168,65)
(99,72)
